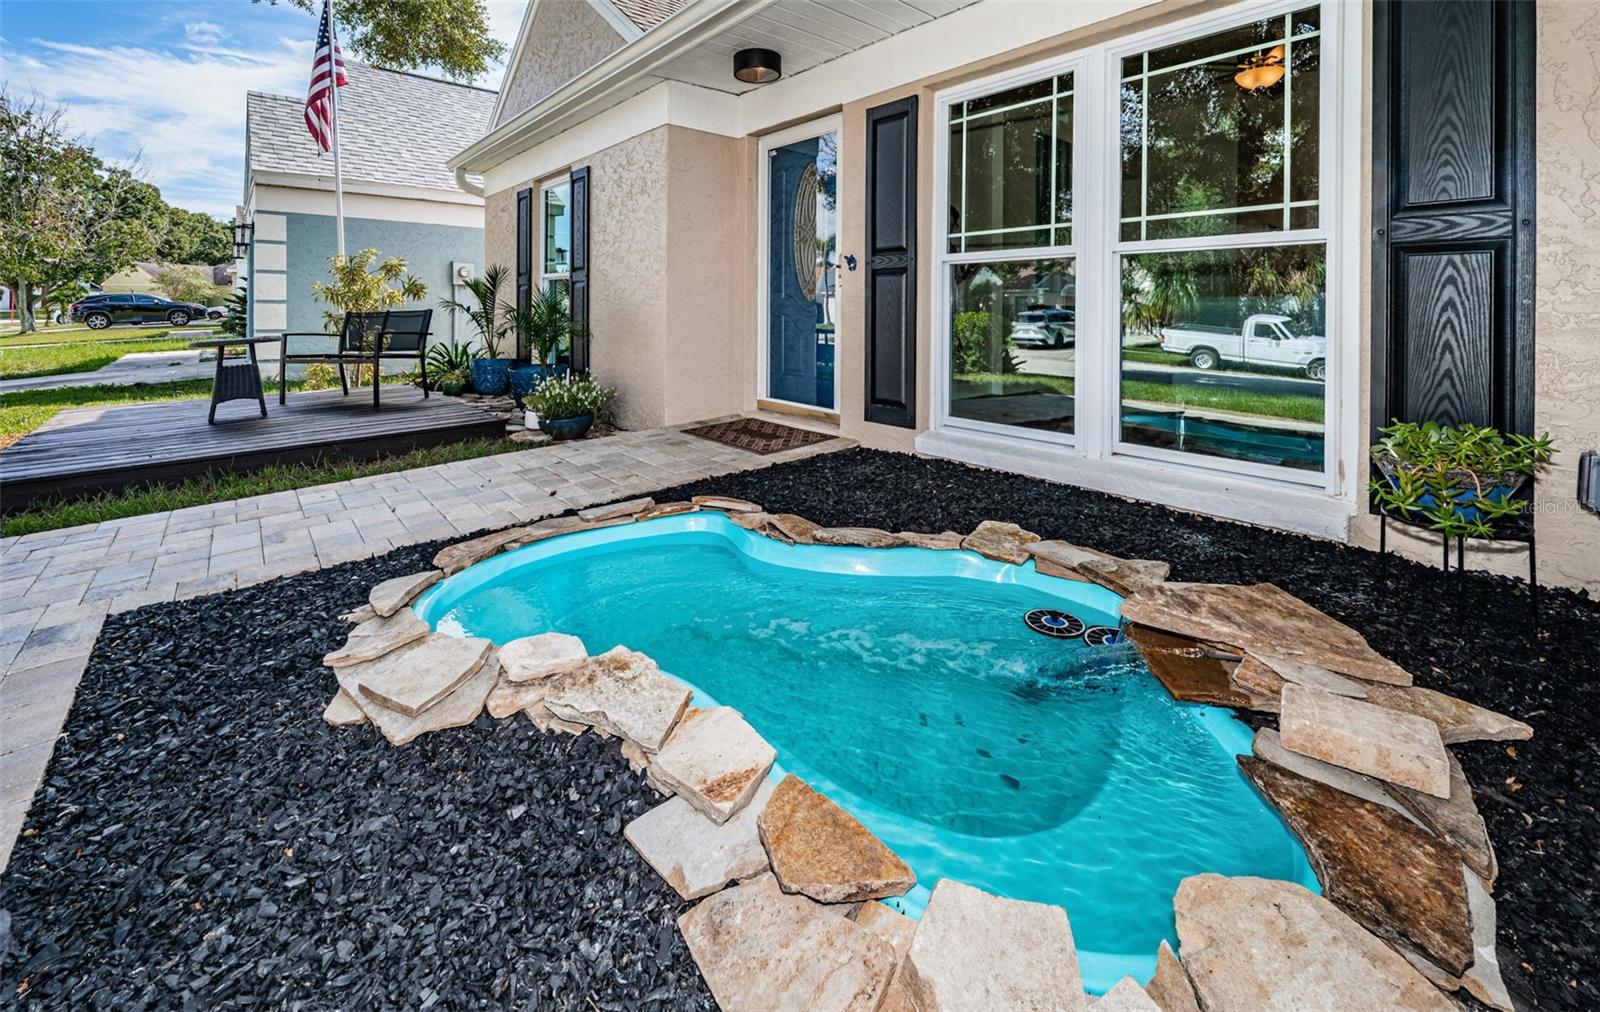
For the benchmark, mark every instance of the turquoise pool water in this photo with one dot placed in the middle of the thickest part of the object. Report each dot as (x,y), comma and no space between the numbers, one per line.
(905,685)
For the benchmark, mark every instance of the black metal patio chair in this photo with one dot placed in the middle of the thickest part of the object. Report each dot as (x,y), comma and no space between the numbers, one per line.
(363,339)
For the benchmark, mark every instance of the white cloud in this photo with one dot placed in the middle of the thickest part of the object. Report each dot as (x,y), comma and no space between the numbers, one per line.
(181,109)
(204,32)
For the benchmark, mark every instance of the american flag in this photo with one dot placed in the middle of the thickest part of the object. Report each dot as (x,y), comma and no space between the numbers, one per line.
(327,65)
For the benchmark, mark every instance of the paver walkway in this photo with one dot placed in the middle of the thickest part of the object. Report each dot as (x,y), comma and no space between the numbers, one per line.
(56,588)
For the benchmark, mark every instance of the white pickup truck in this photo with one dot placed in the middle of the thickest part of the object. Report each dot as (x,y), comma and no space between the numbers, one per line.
(1264,340)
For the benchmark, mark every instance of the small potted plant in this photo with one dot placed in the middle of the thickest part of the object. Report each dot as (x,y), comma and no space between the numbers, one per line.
(450,367)
(539,329)
(1459,478)
(568,405)
(491,374)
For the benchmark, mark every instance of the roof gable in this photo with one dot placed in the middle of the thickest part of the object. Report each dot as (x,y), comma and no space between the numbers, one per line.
(560,39)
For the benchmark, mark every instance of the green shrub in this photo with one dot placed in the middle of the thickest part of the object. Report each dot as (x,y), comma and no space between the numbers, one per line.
(1464,469)
(570,397)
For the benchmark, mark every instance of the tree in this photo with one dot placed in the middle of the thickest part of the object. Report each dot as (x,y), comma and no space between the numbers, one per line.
(452,35)
(65,216)
(238,318)
(189,284)
(190,237)
(357,288)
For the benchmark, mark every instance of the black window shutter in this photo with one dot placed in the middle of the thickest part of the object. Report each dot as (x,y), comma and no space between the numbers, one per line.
(579,299)
(1453,216)
(890,340)
(524,247)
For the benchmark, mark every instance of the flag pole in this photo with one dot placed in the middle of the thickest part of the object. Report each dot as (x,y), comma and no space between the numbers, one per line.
(338,168)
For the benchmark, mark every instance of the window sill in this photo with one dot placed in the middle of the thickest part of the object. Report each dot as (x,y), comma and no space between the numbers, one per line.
(1233,497)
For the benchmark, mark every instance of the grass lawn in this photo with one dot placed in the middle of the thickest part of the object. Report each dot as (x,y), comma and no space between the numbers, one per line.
(49,516)
(55,359)
(1296,407)
(79,334)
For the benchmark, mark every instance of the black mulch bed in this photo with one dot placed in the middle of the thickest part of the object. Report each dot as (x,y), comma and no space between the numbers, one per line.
(203,839)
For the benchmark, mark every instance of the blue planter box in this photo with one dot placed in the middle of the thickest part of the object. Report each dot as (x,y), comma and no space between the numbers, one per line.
(1497,494)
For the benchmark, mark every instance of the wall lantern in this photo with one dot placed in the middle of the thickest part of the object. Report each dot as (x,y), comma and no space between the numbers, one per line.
(241,239)
(1261,71)
(757,66)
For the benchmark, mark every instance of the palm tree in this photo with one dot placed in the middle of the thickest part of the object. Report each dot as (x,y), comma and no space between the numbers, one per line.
(541,326)
(485,291)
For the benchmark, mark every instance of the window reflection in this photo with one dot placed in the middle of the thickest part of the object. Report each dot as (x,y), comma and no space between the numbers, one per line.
(1224,353)
(1013,336)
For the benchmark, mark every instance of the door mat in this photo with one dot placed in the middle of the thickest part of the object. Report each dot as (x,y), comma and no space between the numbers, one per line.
(758,435)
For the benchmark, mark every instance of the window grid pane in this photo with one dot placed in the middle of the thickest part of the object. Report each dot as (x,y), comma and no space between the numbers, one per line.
(1001,195)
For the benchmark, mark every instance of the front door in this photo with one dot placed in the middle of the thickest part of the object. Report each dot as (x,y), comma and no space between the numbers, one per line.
(802,274)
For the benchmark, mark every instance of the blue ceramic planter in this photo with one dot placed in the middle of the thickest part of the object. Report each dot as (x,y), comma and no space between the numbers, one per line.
(566,428)
(526,378)
(1469,513)
(491,376)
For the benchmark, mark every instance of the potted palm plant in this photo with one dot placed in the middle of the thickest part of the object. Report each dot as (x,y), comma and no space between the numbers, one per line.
(540,328)
(450,368)
(568,405)
(491,374)
(1460,479)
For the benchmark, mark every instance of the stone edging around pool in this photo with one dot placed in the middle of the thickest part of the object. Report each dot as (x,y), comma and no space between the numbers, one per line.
(790,882)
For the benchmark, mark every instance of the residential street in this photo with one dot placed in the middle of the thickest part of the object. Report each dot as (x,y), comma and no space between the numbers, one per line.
(1063,362)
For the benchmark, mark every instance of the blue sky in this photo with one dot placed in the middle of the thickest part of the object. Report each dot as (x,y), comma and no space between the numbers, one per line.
(166,79)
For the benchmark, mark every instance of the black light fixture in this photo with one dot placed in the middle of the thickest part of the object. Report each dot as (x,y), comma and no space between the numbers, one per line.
(241,239)
(757,66)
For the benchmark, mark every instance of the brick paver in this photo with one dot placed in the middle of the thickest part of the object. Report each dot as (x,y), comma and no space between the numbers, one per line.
(56,588)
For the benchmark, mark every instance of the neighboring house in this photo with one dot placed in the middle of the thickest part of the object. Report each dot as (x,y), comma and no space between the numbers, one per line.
(397,129)
(141,277)
(1368,171)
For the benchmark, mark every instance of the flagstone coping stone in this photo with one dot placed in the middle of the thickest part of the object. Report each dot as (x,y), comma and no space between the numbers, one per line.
(1317,677)
(888,924)
(507,697)
(757,521)
(1396,879)
(1454,820)
(858,537)
(792,528)
(557,526)
(1272,946)
(1170,988)
(694,855)
(1118,575)
(1458,719)
(546,721)
(760,948)
(390,596)
(1189,670)
(639,761)
(454,558)
(1264,620)
(1000,541)
(1044,567)
(1396,747)
(342,711)
(377,636)
(726,504)
(1482,980)
(418,675)
(945,541)
(616,510)
(457,709)
(714,760)
(622,692)
(359,615)
(821,850)
(1125,996)
(666,509)
(1268,745)
(542,657)
(977,951)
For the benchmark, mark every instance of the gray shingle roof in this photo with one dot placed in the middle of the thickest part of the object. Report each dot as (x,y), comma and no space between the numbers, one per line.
(395,128)
(649,13)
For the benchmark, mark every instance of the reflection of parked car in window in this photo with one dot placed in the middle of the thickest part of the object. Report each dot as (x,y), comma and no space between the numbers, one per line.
(1044,328)
(1264,340)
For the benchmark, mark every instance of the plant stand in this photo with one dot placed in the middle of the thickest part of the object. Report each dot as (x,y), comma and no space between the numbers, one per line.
(1518,528)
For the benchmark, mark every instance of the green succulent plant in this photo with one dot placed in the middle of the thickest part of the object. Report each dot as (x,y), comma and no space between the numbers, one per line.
(1459,478)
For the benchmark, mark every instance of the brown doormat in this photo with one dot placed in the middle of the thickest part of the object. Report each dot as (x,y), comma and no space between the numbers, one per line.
(758,435)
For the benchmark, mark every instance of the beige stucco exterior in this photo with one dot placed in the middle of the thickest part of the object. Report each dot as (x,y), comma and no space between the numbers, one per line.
(566,38)
(675,246)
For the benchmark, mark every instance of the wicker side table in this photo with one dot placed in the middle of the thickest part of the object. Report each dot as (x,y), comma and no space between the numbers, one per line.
(240,381)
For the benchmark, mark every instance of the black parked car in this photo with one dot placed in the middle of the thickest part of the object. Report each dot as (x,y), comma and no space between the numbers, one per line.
(105,308)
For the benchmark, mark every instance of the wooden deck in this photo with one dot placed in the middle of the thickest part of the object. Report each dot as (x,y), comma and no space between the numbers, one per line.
(85,450)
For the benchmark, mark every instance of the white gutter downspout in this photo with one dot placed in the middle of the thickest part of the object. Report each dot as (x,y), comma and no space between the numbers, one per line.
(476,189)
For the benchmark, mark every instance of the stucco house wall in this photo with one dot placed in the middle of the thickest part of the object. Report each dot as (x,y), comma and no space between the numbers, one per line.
(566,38)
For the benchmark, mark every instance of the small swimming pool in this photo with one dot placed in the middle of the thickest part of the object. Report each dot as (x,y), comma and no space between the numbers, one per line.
(904,684)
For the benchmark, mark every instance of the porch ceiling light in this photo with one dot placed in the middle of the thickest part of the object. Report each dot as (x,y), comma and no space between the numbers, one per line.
(1262,70)
(757,66)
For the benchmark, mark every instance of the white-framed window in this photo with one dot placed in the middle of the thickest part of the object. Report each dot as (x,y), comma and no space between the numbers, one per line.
(555,234)
(1140,254)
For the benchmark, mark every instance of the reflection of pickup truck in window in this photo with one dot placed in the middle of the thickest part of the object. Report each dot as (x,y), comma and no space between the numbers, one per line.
(1264,340)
